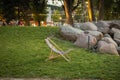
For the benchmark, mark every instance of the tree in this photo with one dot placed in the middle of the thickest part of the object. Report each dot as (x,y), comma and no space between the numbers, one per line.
(109,9)
(92,2)
(14,9)
(112,9)
(68,11)
(1,15)
(38,8)
(69,7)
(101,9)
(90,10)
(56,16)
(7,9)
(22,9)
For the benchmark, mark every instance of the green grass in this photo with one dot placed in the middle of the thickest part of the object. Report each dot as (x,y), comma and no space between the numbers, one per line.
(23,52)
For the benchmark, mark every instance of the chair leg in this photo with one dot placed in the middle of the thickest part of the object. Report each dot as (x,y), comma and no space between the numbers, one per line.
(52,55)
(65,57)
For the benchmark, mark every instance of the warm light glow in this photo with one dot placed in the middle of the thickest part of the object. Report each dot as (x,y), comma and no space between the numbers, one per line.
(32,15)
(89,11)
(42,22)
(86,2)
(60,18)
(34,24)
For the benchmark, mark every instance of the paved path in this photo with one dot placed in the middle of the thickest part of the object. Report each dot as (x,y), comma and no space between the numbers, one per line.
(42,79)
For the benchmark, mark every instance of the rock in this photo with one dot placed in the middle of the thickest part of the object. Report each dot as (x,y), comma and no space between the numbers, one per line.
(105,47)
(113,30)
(118,49)
(107,35)
(117,41)
(78,25)
(108,22)
(116,22)
(83,42)
(117,35)
(103,26)
(114,25)
(69,32)
(88,26)
(98,35)
(109,40)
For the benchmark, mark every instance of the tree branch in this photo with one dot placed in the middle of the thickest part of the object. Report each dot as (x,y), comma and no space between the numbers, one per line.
(74,7)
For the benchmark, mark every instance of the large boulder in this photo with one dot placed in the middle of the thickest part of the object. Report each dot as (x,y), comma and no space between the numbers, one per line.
(117,37)
(118,49)
(107,35)
(103,26)
(69,32)
(105,47)
(96,34)
(116,22)
(109,40)
(117,41)
(115,25)
(85,41)
(112,31)
(88,26)
(78,25)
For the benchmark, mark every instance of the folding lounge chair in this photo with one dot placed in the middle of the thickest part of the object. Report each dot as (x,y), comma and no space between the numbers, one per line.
(55,49)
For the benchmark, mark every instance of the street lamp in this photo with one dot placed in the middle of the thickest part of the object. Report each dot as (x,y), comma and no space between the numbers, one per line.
(60,18)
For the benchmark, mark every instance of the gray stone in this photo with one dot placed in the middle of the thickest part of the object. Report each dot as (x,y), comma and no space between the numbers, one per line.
(115,25)
(118,49)
(117,41)
(107,35)
(88,26)
(113,30)
(117,35)
(98,35)
(85,41)
(69,32)
(109,48)
(78,25)
(103,26)
(109,40)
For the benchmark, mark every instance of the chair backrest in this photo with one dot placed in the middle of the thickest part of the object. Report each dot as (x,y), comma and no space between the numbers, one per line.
(56,48)
(53,47)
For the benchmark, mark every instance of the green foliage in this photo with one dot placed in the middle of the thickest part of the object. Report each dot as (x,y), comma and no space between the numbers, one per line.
(22,9)
(38,9)
(23,52)
(112,9)
(56,16)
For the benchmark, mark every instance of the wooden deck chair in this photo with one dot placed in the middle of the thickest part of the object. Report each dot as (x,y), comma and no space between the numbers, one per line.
(55,49)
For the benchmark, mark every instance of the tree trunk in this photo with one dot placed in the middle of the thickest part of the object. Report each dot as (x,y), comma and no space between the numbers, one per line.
(89,10)
(101,9)
(92,10)
(68,11)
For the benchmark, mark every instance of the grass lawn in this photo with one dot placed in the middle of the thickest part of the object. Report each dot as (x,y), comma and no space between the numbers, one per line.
(23,52)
